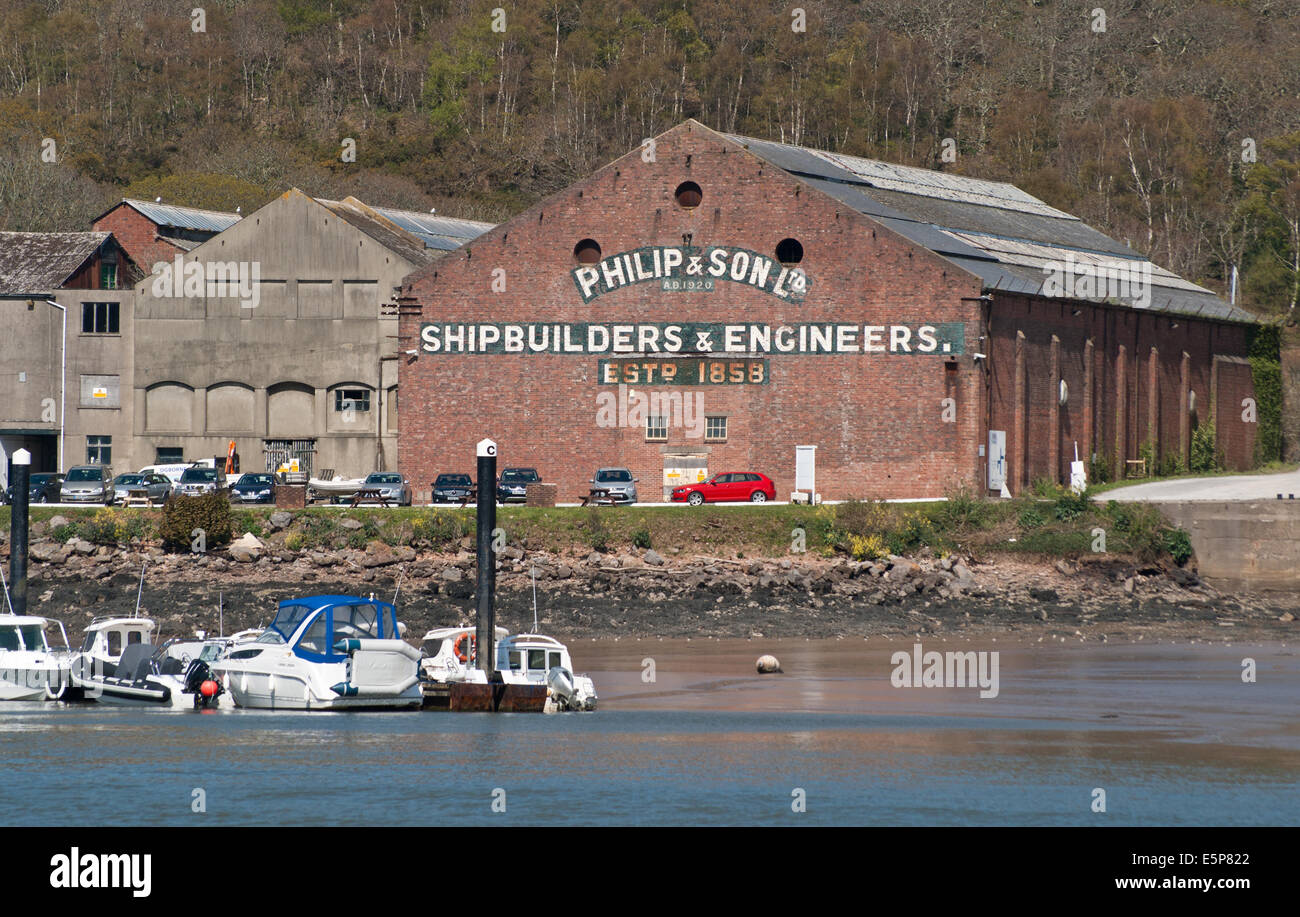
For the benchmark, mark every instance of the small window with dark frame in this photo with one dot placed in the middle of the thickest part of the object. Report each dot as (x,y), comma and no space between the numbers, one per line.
(169,455)
(99,450)
(656,428)
(715,429)
(354,399)
(99,318)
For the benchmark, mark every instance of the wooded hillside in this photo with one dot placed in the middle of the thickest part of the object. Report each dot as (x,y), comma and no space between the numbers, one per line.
(1172,124)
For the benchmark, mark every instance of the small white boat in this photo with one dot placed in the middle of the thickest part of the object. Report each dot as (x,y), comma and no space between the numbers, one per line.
(30,668)
(525,659)
(325,652)
(333,488)
(118,665)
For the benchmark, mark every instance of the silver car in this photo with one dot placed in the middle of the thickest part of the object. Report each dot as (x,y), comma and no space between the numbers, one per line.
(391,486)
(157,487)
(618,484)
(200,479)
(88,484)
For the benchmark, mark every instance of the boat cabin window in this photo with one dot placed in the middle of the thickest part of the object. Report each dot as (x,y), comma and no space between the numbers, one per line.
(355,621)
(515,662)
(134,636)
(114,642)
(537,659)
(432,647)
(553,660)
(313,640)
(89,642)
(9,639)
(33,637)
(286,622)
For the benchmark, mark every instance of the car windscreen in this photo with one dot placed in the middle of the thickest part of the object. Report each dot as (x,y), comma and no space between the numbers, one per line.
(264,479)
(518,477)
(198,475)
(384,479)
(128,479)
(614,476)
(39,479)
(85,474)
(452,480)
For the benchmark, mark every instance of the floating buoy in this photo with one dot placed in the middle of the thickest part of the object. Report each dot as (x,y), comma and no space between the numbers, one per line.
(209,688)
(766,665)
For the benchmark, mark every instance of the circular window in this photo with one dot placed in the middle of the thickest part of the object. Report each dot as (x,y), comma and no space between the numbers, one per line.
(688,195)
(789,251)
(587,251)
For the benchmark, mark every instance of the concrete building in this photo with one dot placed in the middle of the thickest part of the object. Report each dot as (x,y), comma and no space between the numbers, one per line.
(278,334)
(66,307)
(710,303)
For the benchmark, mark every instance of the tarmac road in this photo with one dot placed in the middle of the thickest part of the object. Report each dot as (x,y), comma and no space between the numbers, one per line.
(1235,487)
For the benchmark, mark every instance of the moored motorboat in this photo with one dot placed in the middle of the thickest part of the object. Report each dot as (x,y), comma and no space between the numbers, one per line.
(326,652)
(30,668)
(450,656)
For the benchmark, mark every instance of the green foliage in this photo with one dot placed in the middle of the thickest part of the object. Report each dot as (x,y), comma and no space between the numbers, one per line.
(244,520)
(912,531)
(597,532)
(1100,468)
(1045,487)
(1266,374)
(439,529)
(1070,505)
(209,513)
(1178,544)
(964,510)
(1172,465)
(641,538)
(1204,455)
(1030,518)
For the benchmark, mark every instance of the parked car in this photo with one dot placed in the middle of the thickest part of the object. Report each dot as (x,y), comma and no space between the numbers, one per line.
(158,487)
(171,472)
(88,484)
(513,483)
(42,487)
(254,487)
(619,483)
(391,486)
(732,486)
(200,479)
(452,488)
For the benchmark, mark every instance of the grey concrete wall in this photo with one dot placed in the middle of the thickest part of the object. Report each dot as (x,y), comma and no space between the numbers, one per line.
(31,383)
(210,370)
(1246,544)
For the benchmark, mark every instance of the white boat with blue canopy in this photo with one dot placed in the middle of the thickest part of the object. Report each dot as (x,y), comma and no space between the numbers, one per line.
(325,652)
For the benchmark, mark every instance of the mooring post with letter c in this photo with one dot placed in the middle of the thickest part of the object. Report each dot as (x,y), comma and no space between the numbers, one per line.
(485,626)
(18,531)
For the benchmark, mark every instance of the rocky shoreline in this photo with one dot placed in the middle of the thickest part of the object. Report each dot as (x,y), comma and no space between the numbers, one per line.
(642,593)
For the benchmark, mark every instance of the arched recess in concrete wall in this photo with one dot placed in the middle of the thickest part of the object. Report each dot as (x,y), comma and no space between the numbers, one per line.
(169,408)
(230,408)
(290,411)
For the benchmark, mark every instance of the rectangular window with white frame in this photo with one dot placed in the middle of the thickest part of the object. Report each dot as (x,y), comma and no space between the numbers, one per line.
(656,429)
(715,429)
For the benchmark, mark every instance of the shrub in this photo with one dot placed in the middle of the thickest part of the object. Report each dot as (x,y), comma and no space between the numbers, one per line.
(106,526)
(1204,453)
(1071,505)
(867,547)
(597,532)
(243,520)
(1099,468)
(295,541)
(912,531)
(209,513)
(1030,518)
(1179,545)
(964,509)
(439,529)
(1045,487)
(641,538)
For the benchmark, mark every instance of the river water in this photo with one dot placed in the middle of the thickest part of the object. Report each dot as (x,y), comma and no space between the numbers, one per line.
(687,733)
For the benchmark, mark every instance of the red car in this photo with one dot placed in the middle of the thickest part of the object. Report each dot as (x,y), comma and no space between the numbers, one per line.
(733,486)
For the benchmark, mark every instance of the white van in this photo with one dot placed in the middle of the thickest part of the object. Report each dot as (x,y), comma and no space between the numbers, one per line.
(173,472)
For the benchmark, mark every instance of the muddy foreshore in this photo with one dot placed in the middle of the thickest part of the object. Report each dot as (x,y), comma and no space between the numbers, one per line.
(642,594)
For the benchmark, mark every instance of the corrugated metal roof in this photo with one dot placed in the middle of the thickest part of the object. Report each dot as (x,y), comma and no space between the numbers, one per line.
(432,224)
(39,263)
(184,217)
(1008,238)
(379,228)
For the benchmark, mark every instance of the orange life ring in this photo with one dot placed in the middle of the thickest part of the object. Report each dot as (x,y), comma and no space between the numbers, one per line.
(465,654)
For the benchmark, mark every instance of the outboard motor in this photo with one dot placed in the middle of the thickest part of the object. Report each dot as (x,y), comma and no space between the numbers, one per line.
(561,683)
(200,683)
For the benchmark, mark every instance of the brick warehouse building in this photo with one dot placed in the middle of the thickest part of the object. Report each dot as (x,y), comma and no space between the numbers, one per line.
(918,328)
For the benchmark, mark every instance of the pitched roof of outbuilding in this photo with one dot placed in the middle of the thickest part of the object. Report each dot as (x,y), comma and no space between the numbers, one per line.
(34,263)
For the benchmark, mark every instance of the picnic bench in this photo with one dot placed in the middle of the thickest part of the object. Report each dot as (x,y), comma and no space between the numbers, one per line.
(599,496)
(138,496)
(369,495)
